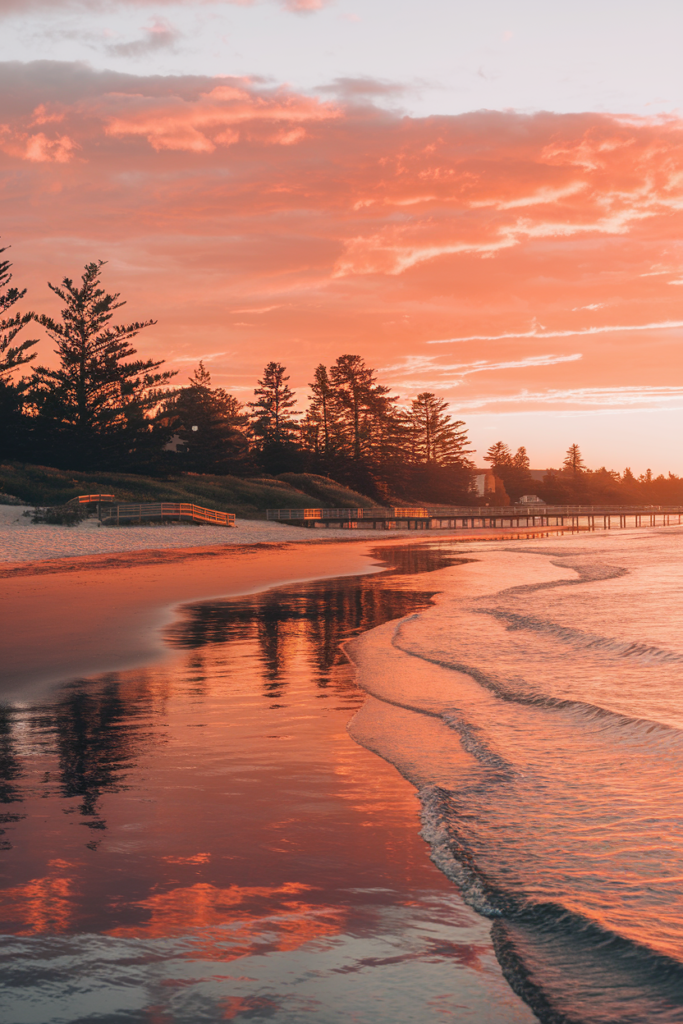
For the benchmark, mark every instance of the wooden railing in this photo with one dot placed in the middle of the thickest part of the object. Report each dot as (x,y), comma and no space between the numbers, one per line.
(457,512)
(91,499)
(284,514)
(118,514)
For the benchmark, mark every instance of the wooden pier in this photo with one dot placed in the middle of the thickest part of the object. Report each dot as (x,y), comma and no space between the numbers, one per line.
(569,517)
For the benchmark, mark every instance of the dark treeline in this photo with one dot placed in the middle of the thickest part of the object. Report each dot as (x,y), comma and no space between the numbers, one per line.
(104,408)
(574,484)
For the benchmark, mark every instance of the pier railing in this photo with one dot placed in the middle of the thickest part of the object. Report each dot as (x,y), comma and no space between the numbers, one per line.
(458,511)
(556,517)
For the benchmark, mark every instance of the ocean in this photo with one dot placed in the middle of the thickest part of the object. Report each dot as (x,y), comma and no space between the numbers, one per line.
(449,790)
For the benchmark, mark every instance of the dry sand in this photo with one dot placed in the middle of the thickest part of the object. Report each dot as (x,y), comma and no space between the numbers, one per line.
(22,540)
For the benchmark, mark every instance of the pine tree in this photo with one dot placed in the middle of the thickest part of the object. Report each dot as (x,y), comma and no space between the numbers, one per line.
(436,439)
(365,403)
(273,413)
(321,428)
(511,470)
(273,423)
(520,459)
(212,425)
(12,356)
(95,408)
(498,455)
(14,425)
(573,461)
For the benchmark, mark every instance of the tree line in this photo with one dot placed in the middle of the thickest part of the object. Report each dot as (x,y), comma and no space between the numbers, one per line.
(574,484)
(103,407)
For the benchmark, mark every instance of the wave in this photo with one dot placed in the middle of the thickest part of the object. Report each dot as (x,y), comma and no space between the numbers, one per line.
(565,966)
(594,572)
(564,831)
(578,638)
(505,691)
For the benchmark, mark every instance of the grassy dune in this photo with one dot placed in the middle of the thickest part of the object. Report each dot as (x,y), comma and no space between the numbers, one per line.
(248,498)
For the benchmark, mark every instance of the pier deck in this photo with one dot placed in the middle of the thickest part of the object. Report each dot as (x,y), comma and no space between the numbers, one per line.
(569,517)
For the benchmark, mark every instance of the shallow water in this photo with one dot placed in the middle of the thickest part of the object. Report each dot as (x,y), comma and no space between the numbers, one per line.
(202,840)
(538,708)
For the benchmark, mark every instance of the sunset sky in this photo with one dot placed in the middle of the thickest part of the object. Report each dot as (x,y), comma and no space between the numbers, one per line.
(484,200)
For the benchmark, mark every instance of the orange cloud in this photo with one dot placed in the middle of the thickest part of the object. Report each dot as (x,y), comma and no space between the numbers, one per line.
(356,229)
(37,148)
(198,125)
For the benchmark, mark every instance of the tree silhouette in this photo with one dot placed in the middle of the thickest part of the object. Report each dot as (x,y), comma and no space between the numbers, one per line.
(12,356)
(273,422)
(573,460)
(321,427)
(520,459)
(436,439)
(512,470)
(273,416)
(212,425)
(365,402)
(96,404)
(499,454)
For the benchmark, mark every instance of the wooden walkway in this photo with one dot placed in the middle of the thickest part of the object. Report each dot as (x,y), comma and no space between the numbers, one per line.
(570,517)
(119,515)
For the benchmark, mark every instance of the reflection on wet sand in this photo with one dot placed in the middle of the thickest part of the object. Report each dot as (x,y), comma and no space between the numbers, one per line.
(213,808)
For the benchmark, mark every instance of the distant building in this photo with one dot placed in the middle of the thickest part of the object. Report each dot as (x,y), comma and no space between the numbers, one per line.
(530,499)
(485,483)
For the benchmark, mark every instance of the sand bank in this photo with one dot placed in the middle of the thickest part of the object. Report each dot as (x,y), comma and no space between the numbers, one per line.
(22,540)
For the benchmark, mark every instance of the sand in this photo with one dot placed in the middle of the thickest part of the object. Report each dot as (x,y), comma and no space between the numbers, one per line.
(22,540)
(77,601)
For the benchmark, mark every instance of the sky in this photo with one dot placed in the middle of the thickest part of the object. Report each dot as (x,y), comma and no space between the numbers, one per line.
(483,200)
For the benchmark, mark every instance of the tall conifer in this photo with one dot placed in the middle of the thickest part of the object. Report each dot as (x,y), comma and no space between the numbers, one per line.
(95,407)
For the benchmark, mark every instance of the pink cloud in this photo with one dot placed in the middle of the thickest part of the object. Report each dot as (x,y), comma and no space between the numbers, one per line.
(199,124)
(37,148)
(355,228)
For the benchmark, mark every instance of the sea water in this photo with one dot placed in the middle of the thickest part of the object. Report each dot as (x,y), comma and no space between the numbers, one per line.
(538,709)
(204,841)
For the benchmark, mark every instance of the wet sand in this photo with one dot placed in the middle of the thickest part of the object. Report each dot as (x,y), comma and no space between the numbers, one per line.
(69,617)
(202,840)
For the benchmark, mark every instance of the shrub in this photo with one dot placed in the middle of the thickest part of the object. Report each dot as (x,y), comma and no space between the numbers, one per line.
(58,515)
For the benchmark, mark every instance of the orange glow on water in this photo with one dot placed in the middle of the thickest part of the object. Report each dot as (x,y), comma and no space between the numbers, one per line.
(42,905)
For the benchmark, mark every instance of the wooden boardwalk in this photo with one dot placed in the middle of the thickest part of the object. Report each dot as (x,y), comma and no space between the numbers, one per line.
(569,517)
(111,514)
(120,515)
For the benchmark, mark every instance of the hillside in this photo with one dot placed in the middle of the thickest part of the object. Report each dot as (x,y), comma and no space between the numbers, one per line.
(247,498)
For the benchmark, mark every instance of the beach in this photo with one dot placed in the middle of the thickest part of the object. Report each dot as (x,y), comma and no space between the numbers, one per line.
(124,583)
(212,757)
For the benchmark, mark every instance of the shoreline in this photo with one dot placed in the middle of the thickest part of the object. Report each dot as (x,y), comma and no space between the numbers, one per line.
(237,742)
(76,616)
(67,619)
(22,541)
